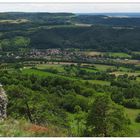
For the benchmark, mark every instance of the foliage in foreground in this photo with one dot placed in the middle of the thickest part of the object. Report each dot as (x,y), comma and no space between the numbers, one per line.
(65,104)
(23,128)
(107,119)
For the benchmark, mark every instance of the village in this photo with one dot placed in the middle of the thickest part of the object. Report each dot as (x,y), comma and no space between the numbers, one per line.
(58,54)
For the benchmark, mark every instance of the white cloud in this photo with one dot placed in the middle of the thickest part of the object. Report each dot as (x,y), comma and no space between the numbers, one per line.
(75,8)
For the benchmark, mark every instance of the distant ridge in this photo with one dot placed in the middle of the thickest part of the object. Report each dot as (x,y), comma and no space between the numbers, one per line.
(132,15)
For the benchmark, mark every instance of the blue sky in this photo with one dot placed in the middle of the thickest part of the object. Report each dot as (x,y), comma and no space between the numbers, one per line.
(75,8)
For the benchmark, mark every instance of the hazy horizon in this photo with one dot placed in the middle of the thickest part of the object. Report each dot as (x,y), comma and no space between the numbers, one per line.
(114,14)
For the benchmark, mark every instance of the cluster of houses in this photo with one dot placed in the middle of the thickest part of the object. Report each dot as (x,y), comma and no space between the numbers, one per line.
(57,54)
(48,54)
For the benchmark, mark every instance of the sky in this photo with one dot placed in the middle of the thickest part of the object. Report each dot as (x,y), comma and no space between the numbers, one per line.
(71,7)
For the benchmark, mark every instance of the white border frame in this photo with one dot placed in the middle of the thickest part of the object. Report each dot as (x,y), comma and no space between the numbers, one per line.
(70,1)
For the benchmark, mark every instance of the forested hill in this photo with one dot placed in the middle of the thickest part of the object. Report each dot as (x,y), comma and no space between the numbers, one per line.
(108,20)
(32,16)
(98,38)
(67,30)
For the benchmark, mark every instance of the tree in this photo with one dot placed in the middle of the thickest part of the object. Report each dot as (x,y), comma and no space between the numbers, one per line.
(76,122)
(18,92)
(106,118)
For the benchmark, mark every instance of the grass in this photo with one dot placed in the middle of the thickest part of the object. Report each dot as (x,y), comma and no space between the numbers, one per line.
(99,82)
(43,73)
(22,128)
(103,67)
(138,79)
(132,114)
(118,55)
(89,69)
(14,128)
(58,67)
(124,69)
(37,72)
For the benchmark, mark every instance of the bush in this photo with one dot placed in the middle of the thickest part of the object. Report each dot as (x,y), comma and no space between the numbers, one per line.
(138,118)
(132,103)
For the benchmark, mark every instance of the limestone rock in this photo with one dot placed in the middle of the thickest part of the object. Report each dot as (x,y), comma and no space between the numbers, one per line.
(3,103)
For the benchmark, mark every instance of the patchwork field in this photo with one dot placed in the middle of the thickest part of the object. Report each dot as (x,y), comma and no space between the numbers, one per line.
(43,70)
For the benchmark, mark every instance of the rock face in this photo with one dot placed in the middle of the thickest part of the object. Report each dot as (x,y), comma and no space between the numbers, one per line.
(3,103)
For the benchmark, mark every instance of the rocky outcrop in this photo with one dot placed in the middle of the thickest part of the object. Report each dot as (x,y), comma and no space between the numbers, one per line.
(3,103)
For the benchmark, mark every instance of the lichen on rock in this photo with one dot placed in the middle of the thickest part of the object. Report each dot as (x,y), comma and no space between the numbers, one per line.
(3,103)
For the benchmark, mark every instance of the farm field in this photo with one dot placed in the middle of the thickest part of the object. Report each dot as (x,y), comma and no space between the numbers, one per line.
(58,67)
(109,54)
(92,53)
(117,73)
(43,74)
(118,55)
(103,67)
